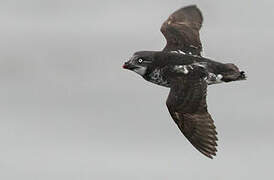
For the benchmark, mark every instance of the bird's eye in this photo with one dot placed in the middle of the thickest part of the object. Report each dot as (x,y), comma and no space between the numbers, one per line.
(140,60)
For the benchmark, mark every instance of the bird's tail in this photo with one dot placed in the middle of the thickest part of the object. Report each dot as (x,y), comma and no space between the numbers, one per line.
(233,73)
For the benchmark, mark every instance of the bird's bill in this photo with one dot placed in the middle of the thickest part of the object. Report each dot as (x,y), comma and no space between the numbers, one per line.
(129,66)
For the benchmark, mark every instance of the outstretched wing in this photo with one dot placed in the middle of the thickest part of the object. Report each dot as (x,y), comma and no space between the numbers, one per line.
(187,106)
(181,30)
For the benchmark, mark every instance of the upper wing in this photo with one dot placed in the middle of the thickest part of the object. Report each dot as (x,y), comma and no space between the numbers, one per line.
(187,106)
(181,30)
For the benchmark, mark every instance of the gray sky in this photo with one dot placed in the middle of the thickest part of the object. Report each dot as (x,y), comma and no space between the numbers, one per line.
(69,111)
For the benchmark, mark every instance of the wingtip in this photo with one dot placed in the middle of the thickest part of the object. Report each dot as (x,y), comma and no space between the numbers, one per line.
(211,156)
(197,9)
(191,5)
(209,152)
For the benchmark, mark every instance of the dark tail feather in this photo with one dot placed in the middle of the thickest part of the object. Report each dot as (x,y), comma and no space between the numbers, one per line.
(233,74)
(234,77)
(242,76)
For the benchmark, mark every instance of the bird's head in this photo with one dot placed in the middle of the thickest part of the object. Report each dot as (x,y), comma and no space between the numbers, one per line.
(140,62)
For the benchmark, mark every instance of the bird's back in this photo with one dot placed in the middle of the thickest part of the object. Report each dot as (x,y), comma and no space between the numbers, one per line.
(168,65)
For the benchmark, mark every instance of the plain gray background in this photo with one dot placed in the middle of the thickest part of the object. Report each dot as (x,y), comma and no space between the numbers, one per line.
(69,111)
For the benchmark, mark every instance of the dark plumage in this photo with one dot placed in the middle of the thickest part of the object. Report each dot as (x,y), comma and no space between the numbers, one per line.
(181,30)
(180,67)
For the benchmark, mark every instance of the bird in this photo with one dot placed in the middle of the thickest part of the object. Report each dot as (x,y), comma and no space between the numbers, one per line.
(181,68)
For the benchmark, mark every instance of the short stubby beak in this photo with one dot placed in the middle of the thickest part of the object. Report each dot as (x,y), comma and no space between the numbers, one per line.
(124,66)
(129,66)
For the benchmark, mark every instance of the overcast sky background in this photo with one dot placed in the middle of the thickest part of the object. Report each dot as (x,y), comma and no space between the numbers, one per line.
(69,111)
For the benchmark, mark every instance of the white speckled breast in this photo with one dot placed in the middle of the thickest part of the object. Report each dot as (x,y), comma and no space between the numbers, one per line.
(157,78)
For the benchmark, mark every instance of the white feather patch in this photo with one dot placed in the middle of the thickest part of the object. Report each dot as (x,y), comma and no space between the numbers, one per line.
(140,70)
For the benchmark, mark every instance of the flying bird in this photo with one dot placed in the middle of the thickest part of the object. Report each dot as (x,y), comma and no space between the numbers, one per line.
(180,67)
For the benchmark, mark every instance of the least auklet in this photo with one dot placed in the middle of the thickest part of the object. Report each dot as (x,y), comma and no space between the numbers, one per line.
(180,67)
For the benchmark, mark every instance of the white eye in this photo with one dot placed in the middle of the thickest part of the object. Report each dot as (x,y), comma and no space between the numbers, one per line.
(140,60)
